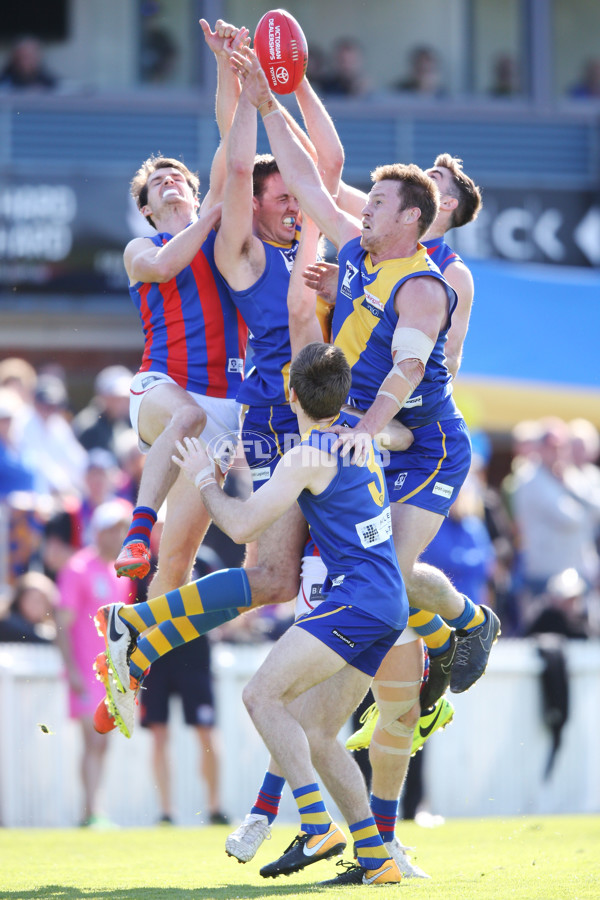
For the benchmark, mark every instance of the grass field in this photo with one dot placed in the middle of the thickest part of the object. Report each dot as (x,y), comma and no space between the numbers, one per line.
(549,857)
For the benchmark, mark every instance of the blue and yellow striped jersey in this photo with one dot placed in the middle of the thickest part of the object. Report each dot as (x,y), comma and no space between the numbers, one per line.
(350,522)
(364,321)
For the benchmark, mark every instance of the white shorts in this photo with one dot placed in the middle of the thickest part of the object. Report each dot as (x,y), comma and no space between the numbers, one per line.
(222,414)
(312,576)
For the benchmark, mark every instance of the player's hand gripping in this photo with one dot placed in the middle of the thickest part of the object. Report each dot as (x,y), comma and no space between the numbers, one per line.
(356,439)
(194,462)
(246,66)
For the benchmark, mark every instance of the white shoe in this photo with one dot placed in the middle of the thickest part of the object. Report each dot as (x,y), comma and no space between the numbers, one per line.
(400,857)
(120,706)
(245,840)
(119,643)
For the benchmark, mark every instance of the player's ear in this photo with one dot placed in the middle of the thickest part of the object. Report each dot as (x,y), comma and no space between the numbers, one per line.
(412,214)
(448,203)
(145,210)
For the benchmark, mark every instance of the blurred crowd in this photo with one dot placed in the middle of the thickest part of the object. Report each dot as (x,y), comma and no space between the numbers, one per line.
(340,70)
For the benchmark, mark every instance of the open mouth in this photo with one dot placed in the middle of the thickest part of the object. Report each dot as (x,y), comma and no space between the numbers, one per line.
(289,221)
(170,192)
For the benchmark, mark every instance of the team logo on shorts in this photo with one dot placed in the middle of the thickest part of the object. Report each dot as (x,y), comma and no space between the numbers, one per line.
(401,478)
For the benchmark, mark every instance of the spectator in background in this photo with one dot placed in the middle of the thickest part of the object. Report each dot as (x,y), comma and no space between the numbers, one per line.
(61,538)
(585,450)
(85,582)
(561,608)
(347,76)
(131,465)
(18,374)
(316,67)
(100,485)
(425,74)
(15,475)
(588,88)
(556,518)
(25,69)
(30,613)
(107,416)
(506,80)
(47,442)
(158,56)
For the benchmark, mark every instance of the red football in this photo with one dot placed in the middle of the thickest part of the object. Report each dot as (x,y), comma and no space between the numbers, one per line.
(281,48)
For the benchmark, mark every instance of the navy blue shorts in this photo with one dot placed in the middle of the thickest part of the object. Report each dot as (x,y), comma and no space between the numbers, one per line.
(267,433)
(360,639)
(184,671)
(433,469)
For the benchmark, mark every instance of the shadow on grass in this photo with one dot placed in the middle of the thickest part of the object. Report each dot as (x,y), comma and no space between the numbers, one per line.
(227,892)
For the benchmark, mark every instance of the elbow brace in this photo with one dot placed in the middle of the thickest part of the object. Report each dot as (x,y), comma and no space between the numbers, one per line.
(408,345)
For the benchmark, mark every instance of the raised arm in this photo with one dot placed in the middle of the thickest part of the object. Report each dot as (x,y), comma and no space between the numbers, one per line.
(239,255)
(222,41)
(322,132)
(297,168)
(460,278)
(302,300)
(245,520)
(146,262)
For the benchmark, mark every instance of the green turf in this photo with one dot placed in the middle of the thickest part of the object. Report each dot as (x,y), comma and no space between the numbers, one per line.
(551,857)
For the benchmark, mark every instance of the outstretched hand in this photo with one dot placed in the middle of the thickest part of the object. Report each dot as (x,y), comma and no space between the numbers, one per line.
(193,460)
(246,66)
(225,38)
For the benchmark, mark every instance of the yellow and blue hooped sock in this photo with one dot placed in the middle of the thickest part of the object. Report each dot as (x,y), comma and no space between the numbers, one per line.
(368,845)
(225,589)
(163,637)
(314,818)
(470,618)
(432,628)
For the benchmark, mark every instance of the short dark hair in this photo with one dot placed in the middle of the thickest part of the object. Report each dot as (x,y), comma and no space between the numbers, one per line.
(415,188)
(321,377)
(264,166)
(139,182)
(466,191)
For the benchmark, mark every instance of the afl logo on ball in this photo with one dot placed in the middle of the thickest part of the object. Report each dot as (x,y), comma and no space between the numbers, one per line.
(282,75)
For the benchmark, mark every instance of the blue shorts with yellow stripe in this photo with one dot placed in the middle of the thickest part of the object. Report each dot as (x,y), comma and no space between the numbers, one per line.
(360,639)
(433,469)
(267,433)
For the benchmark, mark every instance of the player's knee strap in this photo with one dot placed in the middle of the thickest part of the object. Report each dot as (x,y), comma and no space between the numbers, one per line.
(394,699)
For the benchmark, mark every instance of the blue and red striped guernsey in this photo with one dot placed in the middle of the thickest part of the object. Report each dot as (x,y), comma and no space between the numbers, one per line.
(441,253)
(192,330)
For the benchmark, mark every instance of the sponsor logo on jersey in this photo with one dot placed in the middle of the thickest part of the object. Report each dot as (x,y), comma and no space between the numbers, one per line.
(234,364)
(443,490)
(376,530)
(337,581)
(316,591)
(349,274)
(342,637)
(373,304)
(400,479)
(413,401)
